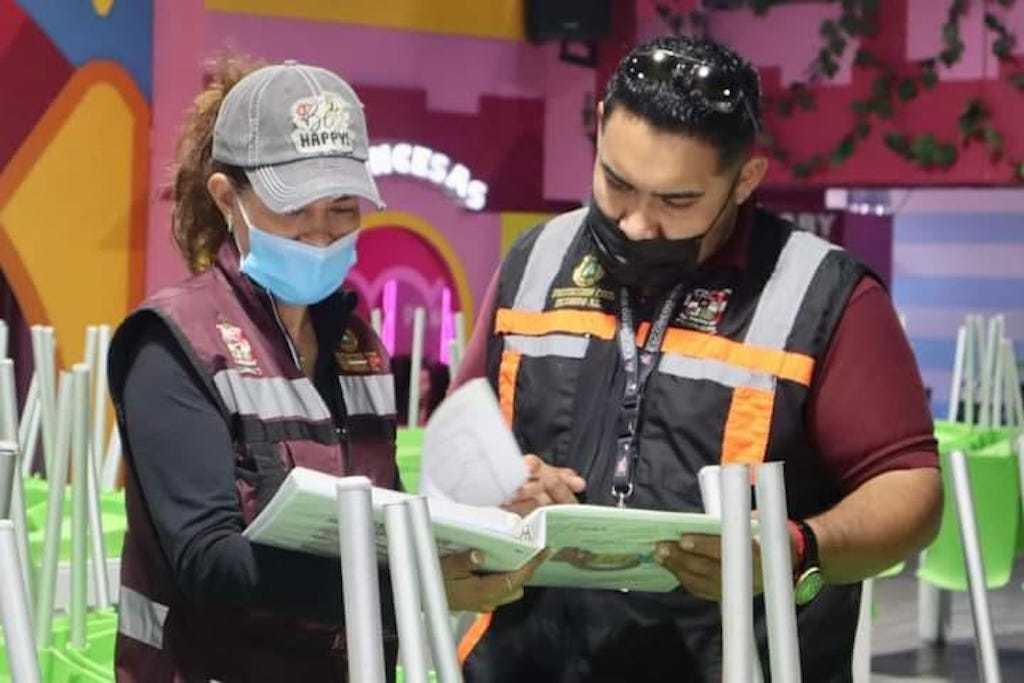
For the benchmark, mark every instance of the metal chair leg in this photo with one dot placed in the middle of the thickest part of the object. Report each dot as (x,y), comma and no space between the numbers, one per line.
(18,641)
(777,567)
(988,659)
(737,577)
(360,589)
(405,582)
(435,602)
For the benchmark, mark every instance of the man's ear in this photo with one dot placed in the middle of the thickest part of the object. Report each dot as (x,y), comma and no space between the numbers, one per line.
(751,175)
(600,120)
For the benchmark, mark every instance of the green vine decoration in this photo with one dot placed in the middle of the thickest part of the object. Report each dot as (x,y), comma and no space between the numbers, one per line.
(1002,46)
(890,90)
(1005,41)
(976,126)
(925,150)
(677,21)
(953,46)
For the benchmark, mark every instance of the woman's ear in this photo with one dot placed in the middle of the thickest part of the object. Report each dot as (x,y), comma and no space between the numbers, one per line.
(223,193)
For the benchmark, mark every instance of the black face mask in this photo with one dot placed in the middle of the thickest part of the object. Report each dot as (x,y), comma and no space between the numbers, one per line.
(656,263)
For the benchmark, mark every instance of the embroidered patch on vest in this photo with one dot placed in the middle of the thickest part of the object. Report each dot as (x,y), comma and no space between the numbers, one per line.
(588,272)
(239,348)
(353,361)
(703,309)
(349,342)
(585,276)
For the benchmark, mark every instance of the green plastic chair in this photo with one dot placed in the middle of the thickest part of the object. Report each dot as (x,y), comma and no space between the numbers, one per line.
(953,436)
(95,662)
(945,431)
(995,489)
(61,663)
(892,571)
(114,519)
(400,676)
(409,446)
(36,490)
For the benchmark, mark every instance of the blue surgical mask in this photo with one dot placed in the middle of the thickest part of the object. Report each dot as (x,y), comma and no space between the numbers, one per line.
(297,273)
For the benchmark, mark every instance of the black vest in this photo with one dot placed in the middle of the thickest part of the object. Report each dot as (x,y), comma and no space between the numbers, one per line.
(731,385)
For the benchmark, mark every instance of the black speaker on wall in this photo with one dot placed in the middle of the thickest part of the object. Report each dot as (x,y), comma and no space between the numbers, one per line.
(568,20)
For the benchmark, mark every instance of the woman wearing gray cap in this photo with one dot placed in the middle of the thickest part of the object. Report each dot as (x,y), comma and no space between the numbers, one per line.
(254,365)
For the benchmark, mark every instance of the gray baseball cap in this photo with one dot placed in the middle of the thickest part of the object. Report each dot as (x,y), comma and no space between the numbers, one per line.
(299,133)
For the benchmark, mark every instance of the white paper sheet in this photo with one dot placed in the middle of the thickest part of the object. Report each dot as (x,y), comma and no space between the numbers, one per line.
(469,453)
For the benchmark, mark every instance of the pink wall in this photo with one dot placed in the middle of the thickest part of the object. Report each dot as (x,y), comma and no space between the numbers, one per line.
(177,30)
(476,237)
(784,41)
(922,29)
(455,72)
(791,57)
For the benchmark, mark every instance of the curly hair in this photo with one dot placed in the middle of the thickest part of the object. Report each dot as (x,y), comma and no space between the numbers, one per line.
(198,227)
(670,109)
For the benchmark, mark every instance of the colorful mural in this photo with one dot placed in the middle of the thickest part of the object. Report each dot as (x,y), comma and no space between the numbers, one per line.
(492,19)
(74,140)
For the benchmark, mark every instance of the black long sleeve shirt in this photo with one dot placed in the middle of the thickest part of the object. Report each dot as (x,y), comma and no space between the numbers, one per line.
(182,457)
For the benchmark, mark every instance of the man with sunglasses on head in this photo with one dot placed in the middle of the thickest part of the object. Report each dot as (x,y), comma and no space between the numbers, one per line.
(671,325)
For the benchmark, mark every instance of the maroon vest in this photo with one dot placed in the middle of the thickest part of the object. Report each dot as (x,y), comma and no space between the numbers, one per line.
(228,329)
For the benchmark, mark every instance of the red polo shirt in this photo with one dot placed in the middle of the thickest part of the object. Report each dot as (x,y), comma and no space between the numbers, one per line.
(867,412)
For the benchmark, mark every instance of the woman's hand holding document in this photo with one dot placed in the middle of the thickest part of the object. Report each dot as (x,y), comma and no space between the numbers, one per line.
(469,589)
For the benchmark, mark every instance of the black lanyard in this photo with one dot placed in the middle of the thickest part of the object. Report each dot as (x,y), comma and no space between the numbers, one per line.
(638,366)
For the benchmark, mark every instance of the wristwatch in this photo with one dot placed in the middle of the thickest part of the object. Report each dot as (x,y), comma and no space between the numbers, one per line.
(809,580)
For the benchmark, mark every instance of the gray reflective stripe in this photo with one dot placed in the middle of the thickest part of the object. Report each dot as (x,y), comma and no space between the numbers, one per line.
(270,398)
(784,294)
(368,394)
(140,618)
(714,370)
(565,345)
(546,260)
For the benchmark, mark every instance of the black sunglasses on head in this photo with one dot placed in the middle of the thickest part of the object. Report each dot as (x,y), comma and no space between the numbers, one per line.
(719,89)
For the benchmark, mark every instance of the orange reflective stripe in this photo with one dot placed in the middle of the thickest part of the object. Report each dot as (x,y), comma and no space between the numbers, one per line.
(507,374)
(642,332)
(473,635)
(745,439)
(795,367)
(533,323)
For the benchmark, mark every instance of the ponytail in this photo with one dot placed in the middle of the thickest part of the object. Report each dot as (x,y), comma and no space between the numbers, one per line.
(197,224)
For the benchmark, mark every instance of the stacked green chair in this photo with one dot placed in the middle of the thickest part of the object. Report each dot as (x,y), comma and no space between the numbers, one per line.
(409,444)
(400,676)
(94,662)
(115,524)
(995,488)
(61,662)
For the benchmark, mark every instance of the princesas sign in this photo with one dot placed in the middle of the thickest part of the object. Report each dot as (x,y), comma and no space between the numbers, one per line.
(403,158)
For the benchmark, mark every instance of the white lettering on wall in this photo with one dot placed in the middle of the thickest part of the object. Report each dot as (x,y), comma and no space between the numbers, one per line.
(437,168)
